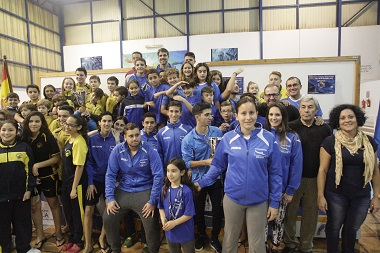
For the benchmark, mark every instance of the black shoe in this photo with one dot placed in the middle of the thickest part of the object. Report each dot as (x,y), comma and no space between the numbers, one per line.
(200,243)
(215,244)
(288,250)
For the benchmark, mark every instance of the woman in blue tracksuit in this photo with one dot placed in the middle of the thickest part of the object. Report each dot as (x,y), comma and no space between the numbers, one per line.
(253,178)
(290,147)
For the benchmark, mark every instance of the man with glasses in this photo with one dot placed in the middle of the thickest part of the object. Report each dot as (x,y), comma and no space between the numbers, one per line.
(272,95)
(293,87)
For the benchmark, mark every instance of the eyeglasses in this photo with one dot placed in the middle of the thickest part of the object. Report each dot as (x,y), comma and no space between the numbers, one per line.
(69,125)
(226,111)
(271,95)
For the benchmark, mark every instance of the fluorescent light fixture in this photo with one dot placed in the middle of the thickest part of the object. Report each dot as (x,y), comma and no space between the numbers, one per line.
(154,46)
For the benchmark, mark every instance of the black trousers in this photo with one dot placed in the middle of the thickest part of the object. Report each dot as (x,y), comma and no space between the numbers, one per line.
(17,213)
(215,191)
(73,210)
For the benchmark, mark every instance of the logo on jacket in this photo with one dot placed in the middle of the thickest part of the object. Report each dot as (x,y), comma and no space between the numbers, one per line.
(39,145)
(68,153)
(260,153)
(143,162)
(19,156)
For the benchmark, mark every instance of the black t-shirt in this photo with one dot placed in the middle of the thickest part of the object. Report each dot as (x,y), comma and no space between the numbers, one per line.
(352,180)
(44,147)
(311,140)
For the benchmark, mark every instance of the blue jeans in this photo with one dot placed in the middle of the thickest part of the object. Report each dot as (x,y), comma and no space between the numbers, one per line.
(347,211)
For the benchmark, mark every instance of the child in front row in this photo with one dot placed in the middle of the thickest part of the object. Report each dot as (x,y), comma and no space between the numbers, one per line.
(176,207)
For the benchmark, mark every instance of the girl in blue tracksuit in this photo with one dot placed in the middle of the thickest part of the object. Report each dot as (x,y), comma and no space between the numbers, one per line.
(133,104)
(290,147)
(253,178)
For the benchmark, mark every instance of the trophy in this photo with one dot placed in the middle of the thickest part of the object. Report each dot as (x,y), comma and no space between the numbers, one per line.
(213,142)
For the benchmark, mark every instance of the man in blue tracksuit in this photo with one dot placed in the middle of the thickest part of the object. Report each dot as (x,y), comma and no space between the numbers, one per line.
(138,167)
(252,163)
(196,152)
(170,137)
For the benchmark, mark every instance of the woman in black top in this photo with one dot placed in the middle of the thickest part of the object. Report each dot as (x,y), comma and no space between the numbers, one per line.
(348,162)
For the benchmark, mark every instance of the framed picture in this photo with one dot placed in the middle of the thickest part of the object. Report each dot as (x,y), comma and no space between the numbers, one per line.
(91,63)
(224,54)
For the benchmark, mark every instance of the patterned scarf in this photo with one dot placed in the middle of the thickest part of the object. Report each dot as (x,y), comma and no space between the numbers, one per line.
(353,145)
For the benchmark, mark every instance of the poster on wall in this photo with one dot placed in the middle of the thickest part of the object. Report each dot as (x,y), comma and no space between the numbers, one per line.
(175,59)
(321,84)
(240,82)
(91,63)
(224,54)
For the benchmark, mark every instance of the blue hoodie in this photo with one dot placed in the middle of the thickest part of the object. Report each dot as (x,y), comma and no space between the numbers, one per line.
(253,168)
(134,108)
(99,150)
(196,148)
(139,173)
(292,161)
(169,140)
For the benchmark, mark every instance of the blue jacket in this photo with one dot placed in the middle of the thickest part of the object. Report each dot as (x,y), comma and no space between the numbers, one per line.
(99,150)
(292,161)
(253,168)
(197,148)
(150,138)
(141,172)
(149,96)
(169,140)
(134,108)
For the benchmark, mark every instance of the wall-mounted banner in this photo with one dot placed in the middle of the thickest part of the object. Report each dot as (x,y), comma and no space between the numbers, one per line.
(321,84)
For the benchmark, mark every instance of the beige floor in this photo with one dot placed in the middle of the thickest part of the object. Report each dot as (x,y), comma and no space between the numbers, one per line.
(368,243)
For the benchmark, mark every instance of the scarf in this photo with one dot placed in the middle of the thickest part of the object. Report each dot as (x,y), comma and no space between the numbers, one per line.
(353,145)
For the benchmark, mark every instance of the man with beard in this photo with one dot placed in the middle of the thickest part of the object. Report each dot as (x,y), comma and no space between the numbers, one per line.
(163,58)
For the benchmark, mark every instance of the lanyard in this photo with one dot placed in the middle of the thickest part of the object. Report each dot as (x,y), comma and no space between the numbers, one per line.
(176,206)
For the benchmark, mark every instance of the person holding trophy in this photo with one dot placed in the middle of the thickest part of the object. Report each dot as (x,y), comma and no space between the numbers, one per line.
(197,154)
(253,183)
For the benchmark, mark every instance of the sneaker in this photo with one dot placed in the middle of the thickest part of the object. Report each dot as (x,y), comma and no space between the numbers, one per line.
(215,244)
(200,243)
(145,248)
(67,246)
(33,250)
(74,249)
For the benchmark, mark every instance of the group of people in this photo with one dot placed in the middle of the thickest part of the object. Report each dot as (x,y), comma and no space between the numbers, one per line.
(163,142)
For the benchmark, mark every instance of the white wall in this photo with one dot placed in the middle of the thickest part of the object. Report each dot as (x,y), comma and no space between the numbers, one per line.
(363,41)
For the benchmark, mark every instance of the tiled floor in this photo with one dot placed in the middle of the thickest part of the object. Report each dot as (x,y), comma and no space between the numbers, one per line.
(368,243)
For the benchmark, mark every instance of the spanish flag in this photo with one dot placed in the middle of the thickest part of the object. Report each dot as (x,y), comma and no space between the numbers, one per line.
(6,84)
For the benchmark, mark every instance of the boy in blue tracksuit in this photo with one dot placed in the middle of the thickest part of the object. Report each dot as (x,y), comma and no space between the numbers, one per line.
(170,137)
(196,152)
(139,168)
(149,131)
(154,96)
(252,163)
(100,146)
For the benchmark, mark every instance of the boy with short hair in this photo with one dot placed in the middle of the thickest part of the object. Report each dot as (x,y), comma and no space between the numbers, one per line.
(94,84)
(120,93)
(43,106)
(207,96)
(187,98)
(140,74)
(227,113)
(170,137)
(92,109)
(112,84)
(149,131)
(12,100)
(33,92)
(152,102)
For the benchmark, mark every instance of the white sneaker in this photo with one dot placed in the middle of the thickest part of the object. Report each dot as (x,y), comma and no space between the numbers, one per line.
(33,250)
